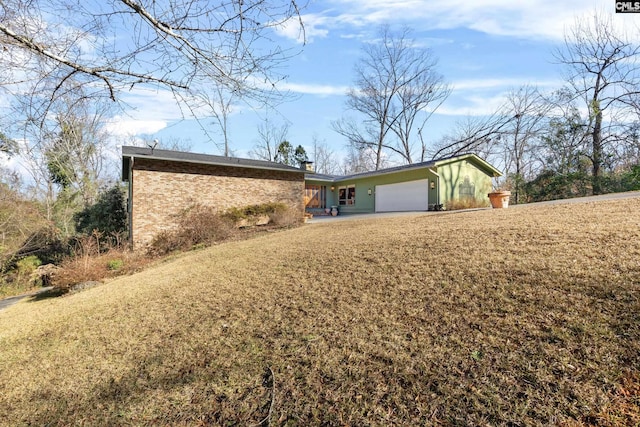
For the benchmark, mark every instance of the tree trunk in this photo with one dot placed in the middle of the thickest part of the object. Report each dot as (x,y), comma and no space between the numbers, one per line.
(597,154)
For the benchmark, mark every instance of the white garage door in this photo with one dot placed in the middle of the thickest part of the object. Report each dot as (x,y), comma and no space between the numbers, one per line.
(404,196)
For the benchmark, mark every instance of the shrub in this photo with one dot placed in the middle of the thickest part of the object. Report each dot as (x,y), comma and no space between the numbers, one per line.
(18,276)
(165,242)
(24,271)
(86,265)
(108,216)
(28,265)
(115,264)
(197,225)
(285,217)
(237,214)
(550,185)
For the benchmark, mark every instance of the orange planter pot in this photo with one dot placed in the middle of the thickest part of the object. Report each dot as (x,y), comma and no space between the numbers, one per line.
(499,199)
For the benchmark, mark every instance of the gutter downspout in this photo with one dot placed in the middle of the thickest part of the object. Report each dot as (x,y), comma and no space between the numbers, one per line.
(434,171)
(130,203)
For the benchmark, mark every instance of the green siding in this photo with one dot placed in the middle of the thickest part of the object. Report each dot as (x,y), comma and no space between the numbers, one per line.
(466,176)
(365,203)
(460,176)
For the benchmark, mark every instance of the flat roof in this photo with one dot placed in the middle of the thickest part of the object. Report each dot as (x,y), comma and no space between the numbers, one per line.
(129,152)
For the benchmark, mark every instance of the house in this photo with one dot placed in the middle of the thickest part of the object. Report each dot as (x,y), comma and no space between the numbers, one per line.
(163,183)
(416,187)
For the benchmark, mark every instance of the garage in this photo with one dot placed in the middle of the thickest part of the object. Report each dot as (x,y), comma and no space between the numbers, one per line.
(403,196)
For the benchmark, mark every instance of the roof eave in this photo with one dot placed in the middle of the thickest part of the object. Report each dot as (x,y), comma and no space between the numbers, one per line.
(423,165)
(478,161)
(214,163)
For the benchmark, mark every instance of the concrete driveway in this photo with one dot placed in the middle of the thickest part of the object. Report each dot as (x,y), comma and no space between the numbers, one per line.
(348,217)
(602,197)
(610,196)
(7,302)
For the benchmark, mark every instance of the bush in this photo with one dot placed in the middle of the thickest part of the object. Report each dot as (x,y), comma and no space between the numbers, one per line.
(550,185)
(115,264)
(108,216)
(87,265)
(164,243)
(285,217)
(237,214)
(27,265)
(197,225)
(201,224)
(20,278)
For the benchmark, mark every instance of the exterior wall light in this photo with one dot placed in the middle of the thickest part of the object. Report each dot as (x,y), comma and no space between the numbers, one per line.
(433,185)
(369,191)
(333,188)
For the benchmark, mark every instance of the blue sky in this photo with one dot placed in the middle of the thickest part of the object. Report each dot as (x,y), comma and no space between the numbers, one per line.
(484,47)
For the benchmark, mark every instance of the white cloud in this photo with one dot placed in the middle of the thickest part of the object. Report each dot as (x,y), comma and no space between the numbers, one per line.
(123,126)
(312,23)
(546,19)
(477,84)
(472,106)
(149,112)
(314,89)
(478,97)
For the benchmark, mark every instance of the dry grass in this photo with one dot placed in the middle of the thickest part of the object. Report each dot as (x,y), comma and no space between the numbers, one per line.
(526,316)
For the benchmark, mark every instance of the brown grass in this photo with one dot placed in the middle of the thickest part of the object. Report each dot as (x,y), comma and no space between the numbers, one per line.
(524,316)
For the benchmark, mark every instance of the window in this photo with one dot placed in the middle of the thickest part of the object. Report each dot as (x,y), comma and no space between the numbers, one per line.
(467,189)
(347,195)
(315,196)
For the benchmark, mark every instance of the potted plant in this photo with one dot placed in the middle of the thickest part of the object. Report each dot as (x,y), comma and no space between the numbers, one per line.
(499,198)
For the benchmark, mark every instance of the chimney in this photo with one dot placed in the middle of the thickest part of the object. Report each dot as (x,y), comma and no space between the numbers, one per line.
(307,165)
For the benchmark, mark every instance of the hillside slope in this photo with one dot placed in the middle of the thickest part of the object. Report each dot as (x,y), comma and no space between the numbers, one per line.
(503,317)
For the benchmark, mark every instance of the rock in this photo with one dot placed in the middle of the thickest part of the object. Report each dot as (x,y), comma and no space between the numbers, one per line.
(84,285)
(45,274)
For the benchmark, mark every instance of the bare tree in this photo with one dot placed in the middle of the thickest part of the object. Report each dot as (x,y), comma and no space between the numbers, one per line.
(528,110)
(171,143)
(396,85)
(184,46)
(562,147)
(222,108)
(359,160)
(324,158)
(478,134)
(7,145)
(506,138)
(64,156)
(602,71)
(269,138)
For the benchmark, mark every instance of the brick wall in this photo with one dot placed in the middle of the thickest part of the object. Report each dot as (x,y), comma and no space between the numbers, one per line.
(161,189)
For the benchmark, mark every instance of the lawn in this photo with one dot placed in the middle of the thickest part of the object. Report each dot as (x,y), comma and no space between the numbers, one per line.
(516,317)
